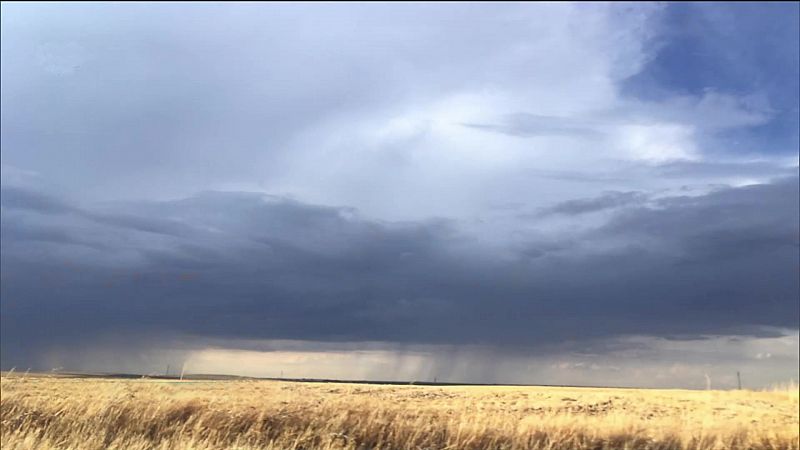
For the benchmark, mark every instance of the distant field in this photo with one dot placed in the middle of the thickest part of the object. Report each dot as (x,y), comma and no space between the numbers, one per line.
(40,412)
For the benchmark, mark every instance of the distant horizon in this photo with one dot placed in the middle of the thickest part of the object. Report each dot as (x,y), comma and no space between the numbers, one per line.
(200,377)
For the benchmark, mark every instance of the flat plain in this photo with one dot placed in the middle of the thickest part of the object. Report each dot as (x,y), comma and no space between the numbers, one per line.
(47,412)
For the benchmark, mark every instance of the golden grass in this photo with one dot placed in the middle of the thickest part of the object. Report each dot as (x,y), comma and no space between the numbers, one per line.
(40,412)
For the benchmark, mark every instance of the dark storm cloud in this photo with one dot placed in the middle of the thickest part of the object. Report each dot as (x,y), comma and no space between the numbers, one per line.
(22,199)
(256,266)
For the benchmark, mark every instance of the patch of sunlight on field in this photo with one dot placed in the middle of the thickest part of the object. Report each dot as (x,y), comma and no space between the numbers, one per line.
(40,412)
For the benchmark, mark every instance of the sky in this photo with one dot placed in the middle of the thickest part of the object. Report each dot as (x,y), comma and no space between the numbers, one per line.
(585,194)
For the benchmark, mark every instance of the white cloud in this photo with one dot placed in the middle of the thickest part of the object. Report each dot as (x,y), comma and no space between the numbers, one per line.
(432,156)
(658,143)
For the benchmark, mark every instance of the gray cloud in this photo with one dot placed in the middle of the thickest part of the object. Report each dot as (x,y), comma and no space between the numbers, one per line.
(608,200)
(22,199)
(264,267)
(526,125)
(757,169)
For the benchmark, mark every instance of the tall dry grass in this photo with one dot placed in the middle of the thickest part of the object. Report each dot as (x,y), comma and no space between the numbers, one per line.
(63,413)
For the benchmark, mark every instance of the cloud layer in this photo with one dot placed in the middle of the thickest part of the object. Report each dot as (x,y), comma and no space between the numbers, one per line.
(242,265)
(530,179)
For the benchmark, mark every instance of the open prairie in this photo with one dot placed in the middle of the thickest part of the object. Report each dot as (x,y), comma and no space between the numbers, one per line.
(41,412)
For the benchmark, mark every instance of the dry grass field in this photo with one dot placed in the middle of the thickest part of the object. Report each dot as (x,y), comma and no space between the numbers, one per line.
(40,412)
